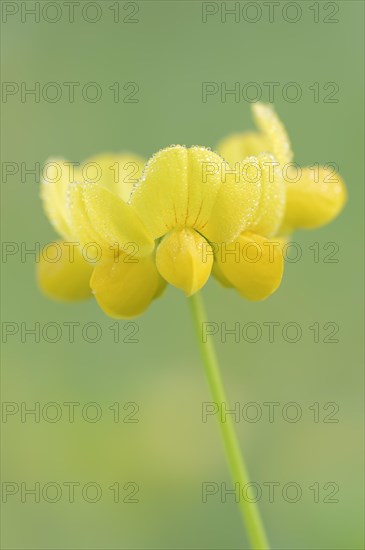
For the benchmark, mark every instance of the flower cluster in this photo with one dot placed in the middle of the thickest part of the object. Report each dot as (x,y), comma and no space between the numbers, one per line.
(190,213)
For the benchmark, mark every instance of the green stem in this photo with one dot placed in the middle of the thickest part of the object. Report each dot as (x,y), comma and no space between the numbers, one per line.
(249,510)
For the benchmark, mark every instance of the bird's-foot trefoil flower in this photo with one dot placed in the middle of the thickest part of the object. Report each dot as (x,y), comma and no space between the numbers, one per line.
(186,199)
(189,198)
(95,215)
(189,212)
(313,197)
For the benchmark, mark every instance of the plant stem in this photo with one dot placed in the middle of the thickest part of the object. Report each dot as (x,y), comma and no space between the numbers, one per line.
(249,510)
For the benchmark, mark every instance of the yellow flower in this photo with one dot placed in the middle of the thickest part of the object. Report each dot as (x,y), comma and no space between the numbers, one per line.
(255,264)
(95,215)
(314,196)
(187,199)
(187,213)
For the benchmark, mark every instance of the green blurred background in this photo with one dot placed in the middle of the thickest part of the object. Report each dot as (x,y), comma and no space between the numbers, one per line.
(170,452)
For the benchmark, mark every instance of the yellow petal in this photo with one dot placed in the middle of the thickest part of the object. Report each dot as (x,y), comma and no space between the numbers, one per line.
(80,223)
(273,132)
(179,187)
(194,188)
(237,147)
(184,258)
(97,215)
(117,172)
(315,199)
(62,272)
(270,212)
(252,264)
(237,201)
(54,196)
(123,288)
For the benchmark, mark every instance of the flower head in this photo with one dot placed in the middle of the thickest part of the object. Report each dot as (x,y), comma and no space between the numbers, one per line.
(187,213)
